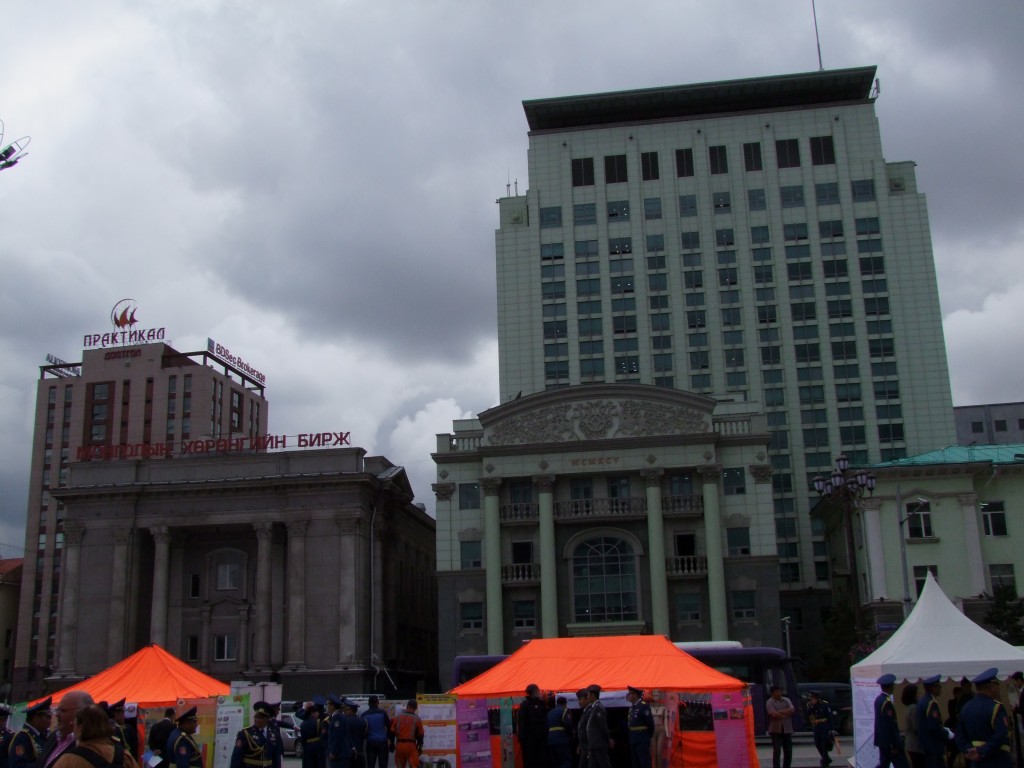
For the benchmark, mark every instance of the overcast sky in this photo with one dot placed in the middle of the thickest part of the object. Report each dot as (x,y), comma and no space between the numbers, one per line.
(313,184)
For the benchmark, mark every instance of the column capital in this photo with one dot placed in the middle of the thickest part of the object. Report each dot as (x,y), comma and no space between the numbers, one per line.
(490,485)
(121,535)
(443,491)
(297,528)
(348,525)
(762,473)
(544,483)
(710,473)
(872,503)
(263,529)
(74,532)
(161,534)
(967,499)
(652,476)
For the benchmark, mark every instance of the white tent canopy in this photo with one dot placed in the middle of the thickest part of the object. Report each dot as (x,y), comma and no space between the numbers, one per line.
(935,639)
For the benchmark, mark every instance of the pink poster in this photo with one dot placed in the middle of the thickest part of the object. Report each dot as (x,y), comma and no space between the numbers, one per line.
(729,712)
(474,733)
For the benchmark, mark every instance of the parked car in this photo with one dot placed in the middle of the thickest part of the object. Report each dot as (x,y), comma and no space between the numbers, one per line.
(290,734)
(839,697)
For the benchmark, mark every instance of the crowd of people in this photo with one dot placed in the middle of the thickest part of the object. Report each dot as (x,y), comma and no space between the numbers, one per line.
(548,735)
(334,735)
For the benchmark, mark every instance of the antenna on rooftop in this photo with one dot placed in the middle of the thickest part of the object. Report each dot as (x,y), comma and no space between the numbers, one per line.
(814,12)
(508,183)
(517,187)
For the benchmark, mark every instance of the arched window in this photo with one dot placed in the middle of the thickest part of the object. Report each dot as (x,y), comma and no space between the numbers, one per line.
(604,580)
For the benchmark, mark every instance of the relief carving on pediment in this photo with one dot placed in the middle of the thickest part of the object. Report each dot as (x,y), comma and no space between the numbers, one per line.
(598,420)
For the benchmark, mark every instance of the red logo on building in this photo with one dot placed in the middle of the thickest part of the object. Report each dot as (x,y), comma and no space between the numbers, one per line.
(123,313)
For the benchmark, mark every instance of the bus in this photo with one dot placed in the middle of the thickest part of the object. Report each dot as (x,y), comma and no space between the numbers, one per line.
(760,668)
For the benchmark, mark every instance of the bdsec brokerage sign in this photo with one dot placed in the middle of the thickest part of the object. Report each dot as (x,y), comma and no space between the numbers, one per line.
(225,354)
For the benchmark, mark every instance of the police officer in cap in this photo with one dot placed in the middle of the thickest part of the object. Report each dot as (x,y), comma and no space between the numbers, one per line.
(931,734)
(28,742)
(599,740)
(258,746)
(182,749)
(309,733)
(819,715)
(356,731)
(887,729)
(984,733)
(560,734)
(641,727)
(339,739)
(6,735)
(127,735)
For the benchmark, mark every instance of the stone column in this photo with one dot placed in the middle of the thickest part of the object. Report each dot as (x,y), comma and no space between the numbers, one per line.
(548,557)
(492,563)
(161,575)
(73,535)
(972,542)
(711,476)
(878,579)
(348,529)
(296,613)
(204,640)
(243,636)
(264,539)
(656,552)
(118,595)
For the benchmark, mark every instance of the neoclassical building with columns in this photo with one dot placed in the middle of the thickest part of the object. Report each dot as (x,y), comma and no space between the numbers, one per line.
(605,509)
(311,568)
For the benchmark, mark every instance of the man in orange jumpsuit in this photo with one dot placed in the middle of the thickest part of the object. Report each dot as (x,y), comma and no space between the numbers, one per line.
(407,736)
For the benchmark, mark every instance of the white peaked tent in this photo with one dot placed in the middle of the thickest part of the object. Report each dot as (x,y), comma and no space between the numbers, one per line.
(936,639)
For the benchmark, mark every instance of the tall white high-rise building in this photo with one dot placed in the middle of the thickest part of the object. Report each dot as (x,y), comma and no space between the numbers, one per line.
(744,240)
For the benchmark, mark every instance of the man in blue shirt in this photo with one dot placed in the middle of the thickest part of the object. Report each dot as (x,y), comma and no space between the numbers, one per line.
(378,726)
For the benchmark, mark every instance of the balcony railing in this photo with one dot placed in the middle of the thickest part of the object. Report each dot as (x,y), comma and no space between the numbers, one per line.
(584,509)
(520,573)
(683,505)
(519,512)
(686,565)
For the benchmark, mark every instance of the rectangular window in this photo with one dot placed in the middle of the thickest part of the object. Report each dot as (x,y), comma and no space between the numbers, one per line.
(615,169)
(921,574)
(718,159)
(618,210)
(469,495)
(684,162)
(752,156)
(827,193)
(788,153)
(689,241)
(743,604)
(823,151)
(688,607)
(993,516)
(224,648)
(725,237)
(919,520)
(734,481)
(620,245)
(655,243)
(551,217)
(792,196)
(471,556)
(584,213)
(524,614)
(687,206)
(652,208)
(1002,577)
(722,202)
(660,322)
(193,585)
(552,251)
(863,190)
(868,225)
(583,172)
(830,229)
(586,249)
(738,541)
(191,647)
(756,200)
(229,576)
(471,616)
(649,165)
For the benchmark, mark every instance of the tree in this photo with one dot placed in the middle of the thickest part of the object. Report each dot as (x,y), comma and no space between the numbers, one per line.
(1005,614)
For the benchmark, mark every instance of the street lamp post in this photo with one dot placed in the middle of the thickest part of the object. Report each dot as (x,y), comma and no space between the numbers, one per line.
(847,489)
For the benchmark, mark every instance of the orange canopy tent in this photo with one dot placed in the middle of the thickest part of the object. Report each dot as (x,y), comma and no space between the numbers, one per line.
(643,661)
(150,677)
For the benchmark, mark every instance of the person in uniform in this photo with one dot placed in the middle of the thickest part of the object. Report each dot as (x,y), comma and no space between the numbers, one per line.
(819,715)
(182,751)
(339,742)
(378,728)
(356,731)
(887,728)
(559,734)
(599,740)
(931,735)
(27,744)
(407,730)
(983,736)
(125,734)
(309,733)
(259,745)
(6,735)
(532,720)
(640,722)
(583,697)
(275,726)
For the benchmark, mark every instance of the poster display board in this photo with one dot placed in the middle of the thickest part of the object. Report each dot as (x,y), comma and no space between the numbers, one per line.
(439,729)
(232,716)
(474,733)
(729,715)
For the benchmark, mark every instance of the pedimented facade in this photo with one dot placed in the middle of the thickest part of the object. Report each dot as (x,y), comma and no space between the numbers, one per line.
(605,509)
